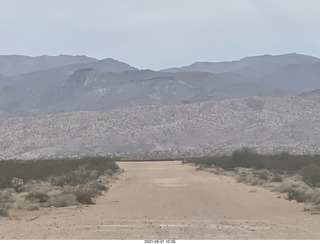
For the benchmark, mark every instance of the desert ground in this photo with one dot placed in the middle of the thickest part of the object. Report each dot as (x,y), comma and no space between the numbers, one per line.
(170,200)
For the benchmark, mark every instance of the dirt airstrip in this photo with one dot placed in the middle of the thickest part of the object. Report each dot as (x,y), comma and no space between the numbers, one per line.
(167,200)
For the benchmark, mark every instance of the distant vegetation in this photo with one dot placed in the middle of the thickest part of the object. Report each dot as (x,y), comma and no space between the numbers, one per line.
(296,175)
(30,184)
(248,158)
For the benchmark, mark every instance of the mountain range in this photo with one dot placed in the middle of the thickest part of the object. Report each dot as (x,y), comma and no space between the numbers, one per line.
(11,65)
(59,73)
(290,71)
(77,105)
(32,86)
(89,89)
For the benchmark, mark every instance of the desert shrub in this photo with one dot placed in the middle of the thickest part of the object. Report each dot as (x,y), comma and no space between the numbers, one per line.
(62,200)
(56,182)
(73,178)
(20,202)
(277,178)
(83,197)
(94,188)
(311,175)
(39,196)
(296,195)
(89,168)
(41,169)
(4,213)
(5,202)
(109,172)
(252,176)
(38,186)
(246,157)
(263,175)
(302,172)
(18,184)
(243,158)
(315,197)
(99,163)
(104,179)
(296,190)
(2,181)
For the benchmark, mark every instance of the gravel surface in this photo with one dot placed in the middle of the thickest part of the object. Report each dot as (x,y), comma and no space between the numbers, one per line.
(167,200)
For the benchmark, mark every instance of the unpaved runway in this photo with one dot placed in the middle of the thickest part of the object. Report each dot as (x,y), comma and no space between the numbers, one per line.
(166,200)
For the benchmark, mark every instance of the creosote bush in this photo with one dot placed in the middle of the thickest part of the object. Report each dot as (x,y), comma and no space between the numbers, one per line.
(43,168)
(56,182)
(39,196)
(276,170)
(277,178)
(278,163)
(311,175)
(5,202)
(62,200)
(83,197)
(244,157)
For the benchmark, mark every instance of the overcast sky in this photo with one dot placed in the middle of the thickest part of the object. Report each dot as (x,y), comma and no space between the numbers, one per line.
(158,34)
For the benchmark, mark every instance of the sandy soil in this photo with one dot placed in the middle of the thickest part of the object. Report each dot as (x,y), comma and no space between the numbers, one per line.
(167,200)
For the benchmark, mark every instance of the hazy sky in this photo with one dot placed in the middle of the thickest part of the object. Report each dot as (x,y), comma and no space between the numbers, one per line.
(158,34)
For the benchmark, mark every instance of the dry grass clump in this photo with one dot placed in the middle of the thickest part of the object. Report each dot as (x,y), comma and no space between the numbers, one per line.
(83,197)
(73,178)
(292,185)
(21,202)
(42,169)
(5,202)
(299,191)
(253,177)
(44,194)
(61,200)
(296,175)
(277,178)
(68,182)
(38,196)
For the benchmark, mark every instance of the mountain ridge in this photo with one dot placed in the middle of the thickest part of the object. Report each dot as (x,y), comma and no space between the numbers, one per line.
(11,65)
(274,70)
(62,72)
(90,89)
(231,66)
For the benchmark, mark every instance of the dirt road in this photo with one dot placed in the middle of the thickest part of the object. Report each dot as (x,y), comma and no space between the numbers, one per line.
(166,200)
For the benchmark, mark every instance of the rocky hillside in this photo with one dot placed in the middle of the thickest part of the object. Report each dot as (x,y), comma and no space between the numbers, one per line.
(290,122)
